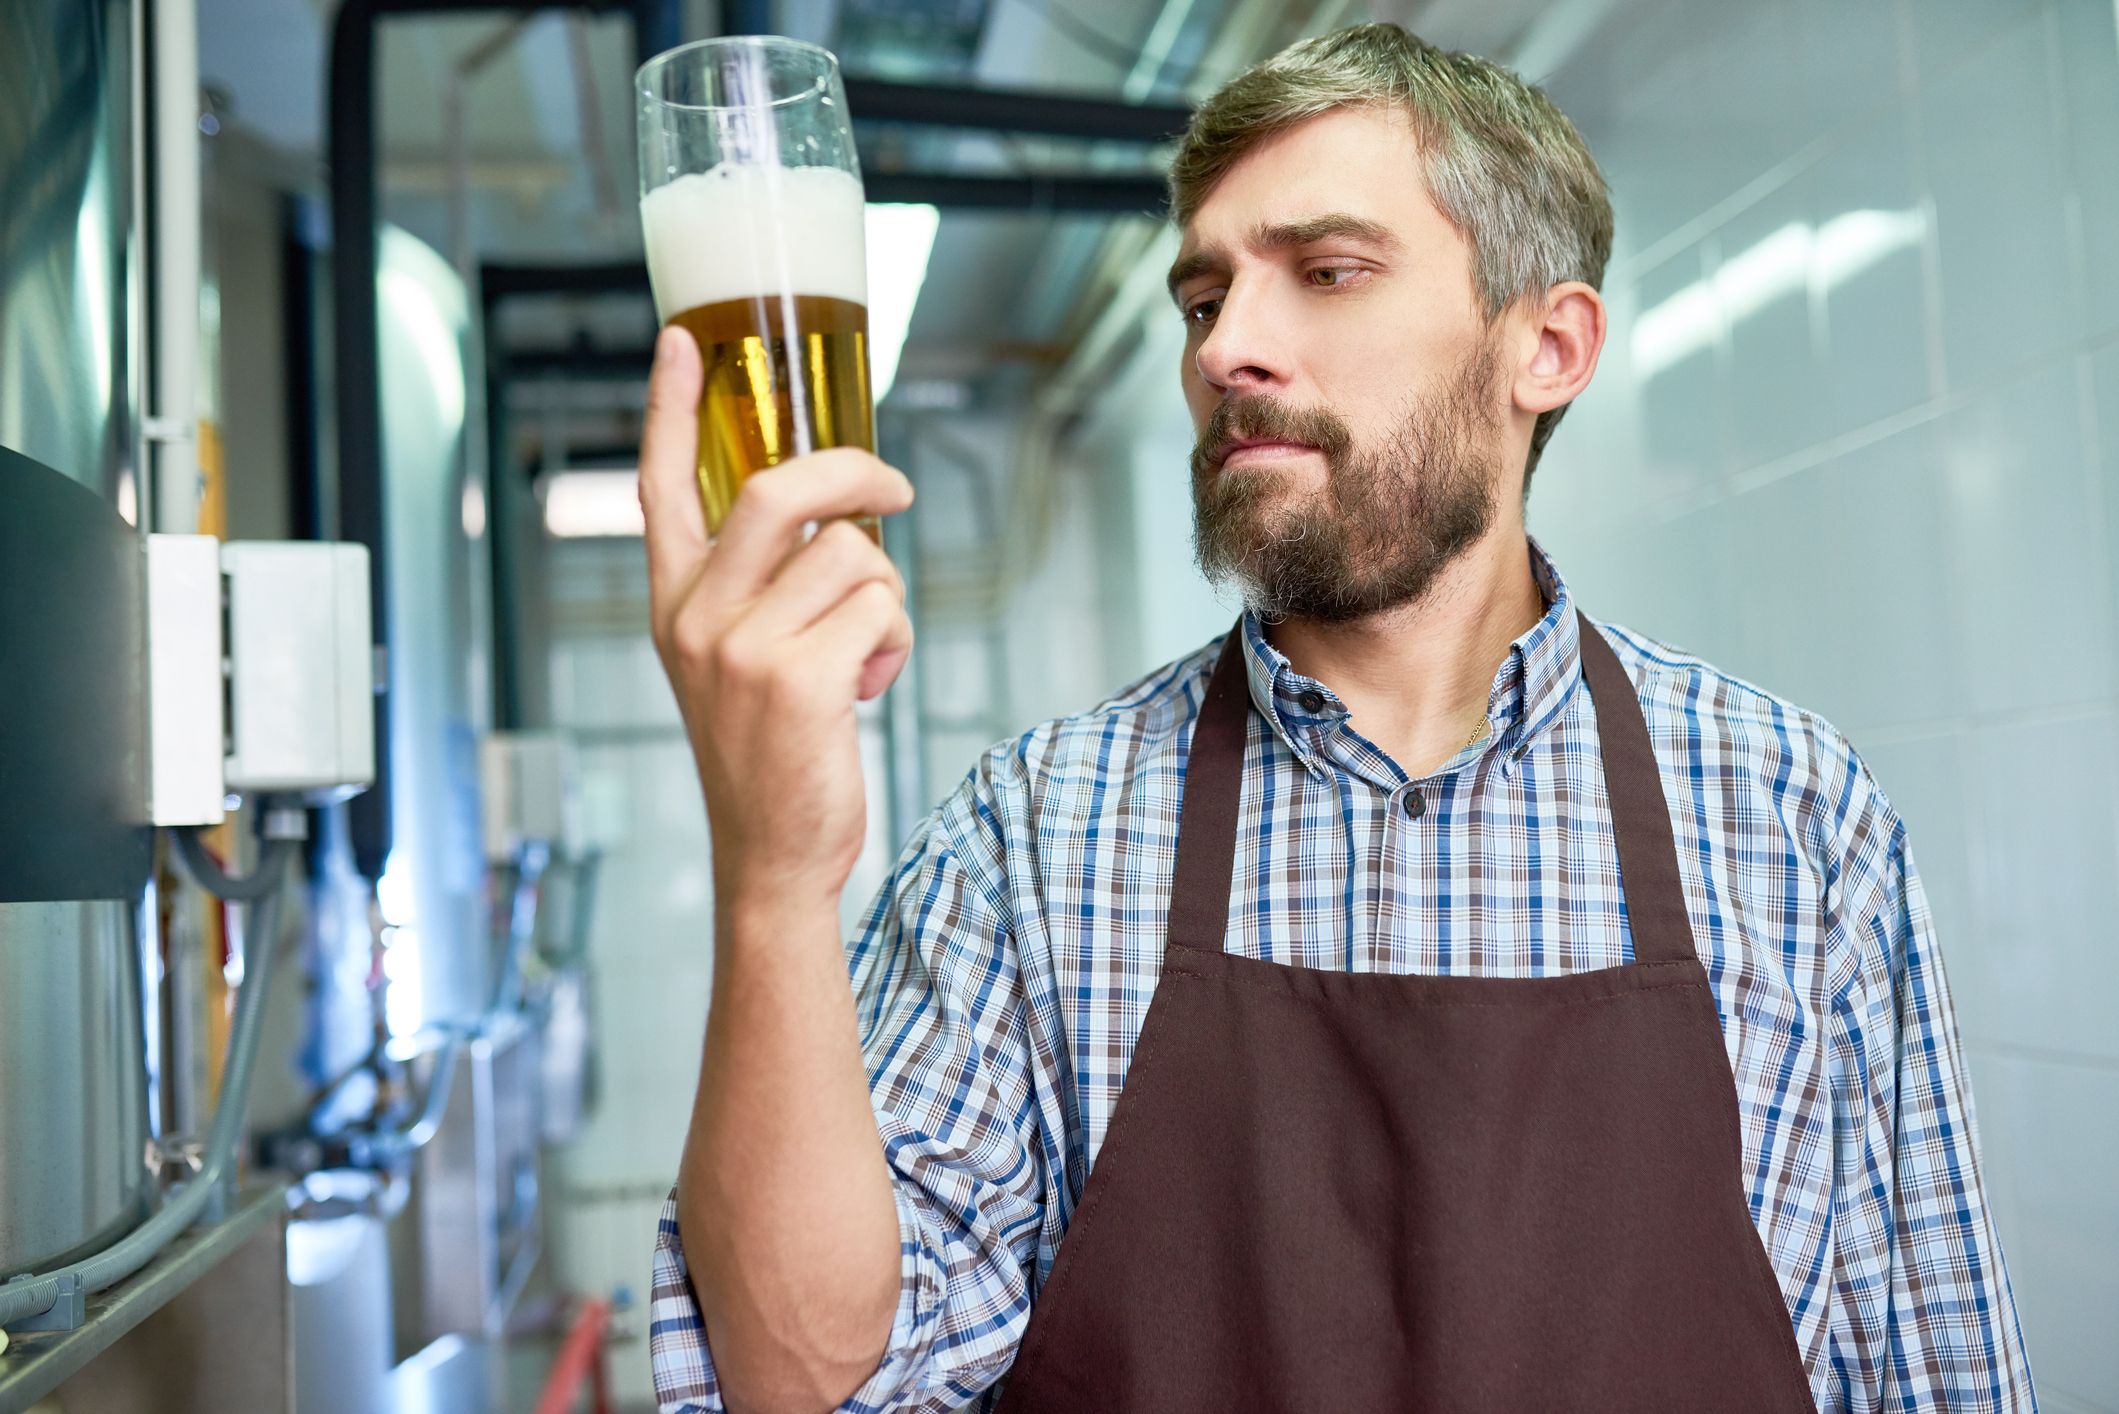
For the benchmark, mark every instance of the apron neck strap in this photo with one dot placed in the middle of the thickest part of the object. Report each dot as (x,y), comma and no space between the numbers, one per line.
(1213,793)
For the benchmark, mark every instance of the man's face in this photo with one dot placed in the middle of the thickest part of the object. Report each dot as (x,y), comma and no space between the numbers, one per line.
(1348,397)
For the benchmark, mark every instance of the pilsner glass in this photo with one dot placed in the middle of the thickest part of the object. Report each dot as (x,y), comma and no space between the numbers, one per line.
(751,202)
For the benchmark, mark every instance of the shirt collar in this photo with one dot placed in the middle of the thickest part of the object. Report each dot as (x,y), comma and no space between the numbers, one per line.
(1530,688)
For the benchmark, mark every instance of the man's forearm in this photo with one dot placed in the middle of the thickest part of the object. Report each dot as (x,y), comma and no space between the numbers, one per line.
(784,1200)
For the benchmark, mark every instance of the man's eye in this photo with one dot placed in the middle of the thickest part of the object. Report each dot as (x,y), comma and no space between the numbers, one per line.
(1202,312)
(1326,276)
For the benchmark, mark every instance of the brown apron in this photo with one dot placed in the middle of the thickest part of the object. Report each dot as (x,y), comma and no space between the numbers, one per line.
(1345,1191)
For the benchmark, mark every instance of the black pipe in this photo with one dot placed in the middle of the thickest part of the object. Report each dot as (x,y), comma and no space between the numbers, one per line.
(1141,195)
(746,16)
(1014,111)
(350,113)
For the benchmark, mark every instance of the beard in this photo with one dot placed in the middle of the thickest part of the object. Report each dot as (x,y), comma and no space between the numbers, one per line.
(1389,520)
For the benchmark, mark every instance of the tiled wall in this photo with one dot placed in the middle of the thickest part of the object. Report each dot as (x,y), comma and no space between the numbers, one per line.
(1855,437)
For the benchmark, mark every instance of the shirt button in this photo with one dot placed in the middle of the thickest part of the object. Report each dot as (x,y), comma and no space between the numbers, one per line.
(1415,804)
(1312,701)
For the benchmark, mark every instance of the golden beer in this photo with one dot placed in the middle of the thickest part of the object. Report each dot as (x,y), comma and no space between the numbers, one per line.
(784,375)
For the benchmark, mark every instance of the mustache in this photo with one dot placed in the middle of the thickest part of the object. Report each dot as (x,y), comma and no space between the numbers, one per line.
(1258,417)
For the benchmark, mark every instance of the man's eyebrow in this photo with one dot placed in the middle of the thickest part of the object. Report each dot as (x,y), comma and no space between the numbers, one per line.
(1287,235)
(1199,262)
(1312,229)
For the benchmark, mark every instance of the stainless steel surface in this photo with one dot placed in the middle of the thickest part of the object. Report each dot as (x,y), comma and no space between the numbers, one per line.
(72,1083)
(437,638)
(340,1269)
(73,1089)
(35,1365)
(476,1195)
(66,215)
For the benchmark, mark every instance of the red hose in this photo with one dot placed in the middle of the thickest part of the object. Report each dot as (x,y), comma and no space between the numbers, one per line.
(580,1359)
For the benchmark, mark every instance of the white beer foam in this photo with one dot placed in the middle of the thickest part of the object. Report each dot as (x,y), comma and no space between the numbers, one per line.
(742,230)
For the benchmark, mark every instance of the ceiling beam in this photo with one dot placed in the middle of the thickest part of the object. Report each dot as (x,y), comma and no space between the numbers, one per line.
(1014,111)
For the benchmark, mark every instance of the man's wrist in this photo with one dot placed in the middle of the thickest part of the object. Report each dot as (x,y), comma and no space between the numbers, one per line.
(766,913)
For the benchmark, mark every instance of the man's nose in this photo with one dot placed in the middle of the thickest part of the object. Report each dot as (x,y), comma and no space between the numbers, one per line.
(1240,353)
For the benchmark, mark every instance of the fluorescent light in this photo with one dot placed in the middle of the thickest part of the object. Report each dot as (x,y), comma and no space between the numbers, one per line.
(1795,257)
(586,505)
(900,238)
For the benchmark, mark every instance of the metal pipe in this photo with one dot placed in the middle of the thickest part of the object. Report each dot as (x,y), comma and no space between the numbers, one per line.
(170,421)
(381,1150)
(595,152)
(457,138)
(522,924)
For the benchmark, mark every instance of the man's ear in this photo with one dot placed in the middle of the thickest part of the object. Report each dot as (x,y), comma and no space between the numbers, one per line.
(1562,345)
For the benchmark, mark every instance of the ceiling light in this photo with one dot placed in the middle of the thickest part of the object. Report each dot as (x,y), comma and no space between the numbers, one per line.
(588,505)
(900,238)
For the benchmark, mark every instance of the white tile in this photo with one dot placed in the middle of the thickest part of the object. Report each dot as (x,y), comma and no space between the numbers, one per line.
(1994,168)
(2050,1137)
(2052,1401)
(1782,605)
(2103,379)
(1684,430)
(1695,115)
(2027,583)
(1950,34)
(2039,967)
(1849,58)
(1773,373)
(2088,40)
(1874,315)
(1887,648)
(1837,602)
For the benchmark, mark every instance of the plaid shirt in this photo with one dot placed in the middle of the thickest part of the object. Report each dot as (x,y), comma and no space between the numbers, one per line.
(1005,969)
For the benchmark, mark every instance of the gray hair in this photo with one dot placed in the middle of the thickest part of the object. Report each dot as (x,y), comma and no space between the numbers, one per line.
(1503,164)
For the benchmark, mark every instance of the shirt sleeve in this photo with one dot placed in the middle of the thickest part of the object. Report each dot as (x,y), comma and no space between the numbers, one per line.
(939,994)
(1948,1336)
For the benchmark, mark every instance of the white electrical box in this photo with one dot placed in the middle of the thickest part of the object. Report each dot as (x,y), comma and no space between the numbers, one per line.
(185,738)
(530,790)
(301,667)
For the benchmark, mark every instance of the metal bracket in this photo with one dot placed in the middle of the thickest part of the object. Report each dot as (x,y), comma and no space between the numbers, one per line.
(67,1313)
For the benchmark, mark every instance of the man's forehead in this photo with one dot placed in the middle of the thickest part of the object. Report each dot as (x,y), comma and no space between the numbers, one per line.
(1290,228)
(1360,161)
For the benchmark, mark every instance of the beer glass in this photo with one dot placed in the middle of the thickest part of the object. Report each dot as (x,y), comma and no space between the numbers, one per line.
(751,202)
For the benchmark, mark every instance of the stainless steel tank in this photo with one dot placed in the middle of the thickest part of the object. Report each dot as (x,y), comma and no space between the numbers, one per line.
(73,1101)
(73,1112)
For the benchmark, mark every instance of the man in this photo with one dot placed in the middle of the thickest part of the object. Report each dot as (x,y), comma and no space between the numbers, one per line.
(1423,997)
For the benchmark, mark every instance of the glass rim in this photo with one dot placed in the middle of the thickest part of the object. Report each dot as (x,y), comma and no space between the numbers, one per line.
(826,74)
